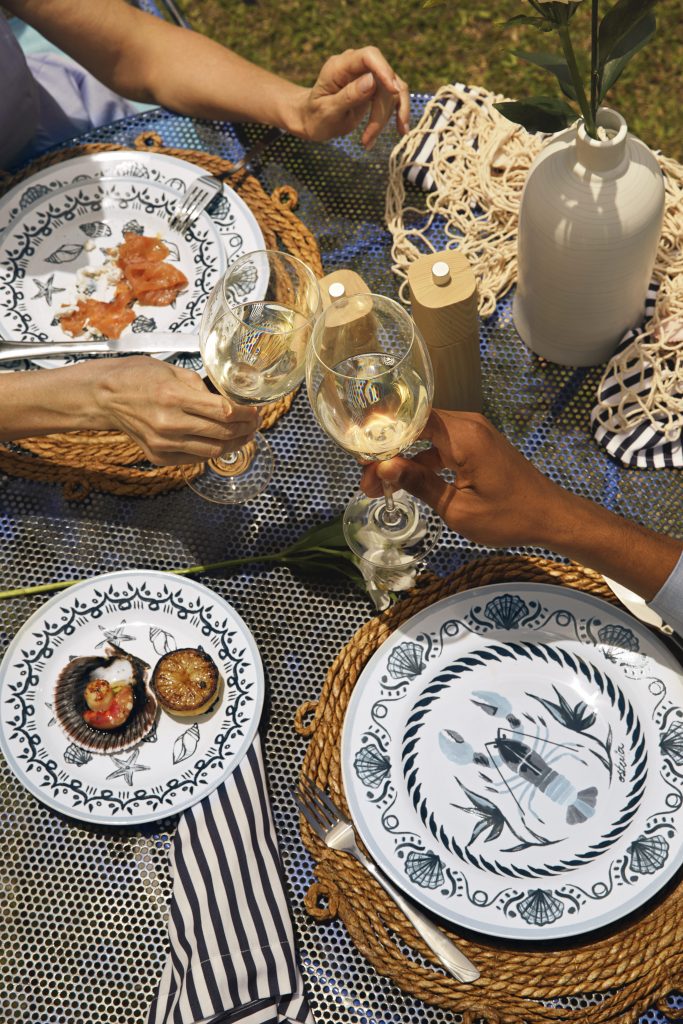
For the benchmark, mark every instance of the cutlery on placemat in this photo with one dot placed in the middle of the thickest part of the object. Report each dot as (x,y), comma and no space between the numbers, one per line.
(204,189)
(155,342)
(337,832)
(642,611)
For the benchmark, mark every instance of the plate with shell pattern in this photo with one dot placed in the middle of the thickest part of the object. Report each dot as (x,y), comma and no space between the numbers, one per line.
(512,758)
(58,227)
(178,760)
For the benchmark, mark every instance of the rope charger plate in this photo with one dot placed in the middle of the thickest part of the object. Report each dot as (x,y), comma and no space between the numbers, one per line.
(110,461)
(532,982)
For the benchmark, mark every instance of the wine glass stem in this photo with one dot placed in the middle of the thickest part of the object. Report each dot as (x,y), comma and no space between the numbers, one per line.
(229,458)
(390,514)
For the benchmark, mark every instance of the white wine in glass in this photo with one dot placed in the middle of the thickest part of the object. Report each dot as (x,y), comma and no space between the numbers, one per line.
(253,337)
(370,383)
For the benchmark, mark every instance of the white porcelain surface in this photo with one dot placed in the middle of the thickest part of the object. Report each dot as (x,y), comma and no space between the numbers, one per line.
(589,225)
(183,759)
(513,759)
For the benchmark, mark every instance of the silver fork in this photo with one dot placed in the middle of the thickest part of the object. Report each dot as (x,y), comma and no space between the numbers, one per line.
(337,832)
(204,189)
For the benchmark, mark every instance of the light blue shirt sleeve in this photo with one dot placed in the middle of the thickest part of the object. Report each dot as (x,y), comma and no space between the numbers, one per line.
(668,601)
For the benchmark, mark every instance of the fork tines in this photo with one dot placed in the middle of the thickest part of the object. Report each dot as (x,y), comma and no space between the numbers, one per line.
(317,807)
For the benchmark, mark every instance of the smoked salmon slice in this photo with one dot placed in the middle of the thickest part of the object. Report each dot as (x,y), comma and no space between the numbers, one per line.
(147,280)
(107,318)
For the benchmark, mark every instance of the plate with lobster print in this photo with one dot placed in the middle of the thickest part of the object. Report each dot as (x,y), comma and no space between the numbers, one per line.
(512,758)
(179,760)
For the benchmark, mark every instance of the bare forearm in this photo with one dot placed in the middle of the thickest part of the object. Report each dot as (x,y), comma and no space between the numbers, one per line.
(49,401)
(144,58)
(629,553)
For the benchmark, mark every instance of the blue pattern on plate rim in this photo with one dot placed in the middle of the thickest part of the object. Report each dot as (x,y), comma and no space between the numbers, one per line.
(61,782)
(29,234)
(560,732)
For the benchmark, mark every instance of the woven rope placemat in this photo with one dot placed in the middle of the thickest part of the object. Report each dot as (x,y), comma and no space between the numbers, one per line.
(631,969)
(108,460)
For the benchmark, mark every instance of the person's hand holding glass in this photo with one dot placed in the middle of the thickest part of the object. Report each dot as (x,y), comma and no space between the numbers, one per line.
(253,337)
(370,383)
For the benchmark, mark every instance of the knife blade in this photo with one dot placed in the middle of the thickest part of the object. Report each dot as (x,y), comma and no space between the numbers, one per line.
(641,610)
(156,342)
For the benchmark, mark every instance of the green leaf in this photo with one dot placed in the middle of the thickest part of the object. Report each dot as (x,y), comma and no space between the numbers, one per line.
(544,24)
(538,114)
(641,33)
(550,62)
(618,25)
(326,569)
(325,535)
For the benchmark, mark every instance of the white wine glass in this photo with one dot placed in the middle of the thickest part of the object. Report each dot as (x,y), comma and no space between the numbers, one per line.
(253,337)
(370,384)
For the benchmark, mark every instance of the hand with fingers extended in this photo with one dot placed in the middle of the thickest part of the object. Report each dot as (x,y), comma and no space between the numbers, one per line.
(165,409)
(351,86)
(499,499)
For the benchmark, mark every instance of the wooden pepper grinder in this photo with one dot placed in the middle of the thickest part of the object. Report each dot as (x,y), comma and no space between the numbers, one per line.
(443,293)
(354,312)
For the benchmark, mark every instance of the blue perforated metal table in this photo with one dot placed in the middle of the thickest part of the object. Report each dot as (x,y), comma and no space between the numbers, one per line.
(64,960)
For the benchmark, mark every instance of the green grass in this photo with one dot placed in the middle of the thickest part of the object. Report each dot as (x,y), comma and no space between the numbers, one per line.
(461,40)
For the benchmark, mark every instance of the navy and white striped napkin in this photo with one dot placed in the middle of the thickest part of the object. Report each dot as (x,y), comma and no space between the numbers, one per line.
(418,172)
(232,948)
(643,446)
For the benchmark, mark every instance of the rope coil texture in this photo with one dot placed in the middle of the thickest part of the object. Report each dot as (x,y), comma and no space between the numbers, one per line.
(110,461)
(479,163)
(632,967)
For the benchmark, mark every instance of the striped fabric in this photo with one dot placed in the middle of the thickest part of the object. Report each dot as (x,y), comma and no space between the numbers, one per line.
(643,446)
(232,948)
(418,171)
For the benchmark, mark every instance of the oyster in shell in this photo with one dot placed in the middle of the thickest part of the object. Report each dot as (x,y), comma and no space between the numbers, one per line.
(115,667)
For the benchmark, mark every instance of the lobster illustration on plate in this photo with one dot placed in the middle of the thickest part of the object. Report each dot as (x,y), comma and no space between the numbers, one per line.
(530,766)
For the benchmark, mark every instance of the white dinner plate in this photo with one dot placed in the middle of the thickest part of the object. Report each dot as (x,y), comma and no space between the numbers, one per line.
(60,222)
(513,759)
(147,614)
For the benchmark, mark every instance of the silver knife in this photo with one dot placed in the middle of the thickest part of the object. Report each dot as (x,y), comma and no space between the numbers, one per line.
(154,342)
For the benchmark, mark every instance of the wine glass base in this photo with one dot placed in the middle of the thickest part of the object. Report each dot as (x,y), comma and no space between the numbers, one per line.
(237,477)
(412,535)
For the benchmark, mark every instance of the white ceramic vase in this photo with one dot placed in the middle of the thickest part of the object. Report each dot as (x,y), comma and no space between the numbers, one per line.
(589,224)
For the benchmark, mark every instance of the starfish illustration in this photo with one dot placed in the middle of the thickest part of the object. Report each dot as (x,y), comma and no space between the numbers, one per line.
(46,289)
(114,636)
(126,769)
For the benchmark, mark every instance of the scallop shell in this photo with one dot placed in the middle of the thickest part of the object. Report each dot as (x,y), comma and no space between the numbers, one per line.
(76,755)
(671,743)
(143,324)
(425,869)
(506,610)
(619,636)
(372,766)
(69,703)
(648,854)
(406,661)
(540,907)
(31,194)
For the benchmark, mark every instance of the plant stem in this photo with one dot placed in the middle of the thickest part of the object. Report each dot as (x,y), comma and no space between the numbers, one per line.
(570,57)
(595,74)
(231,563)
